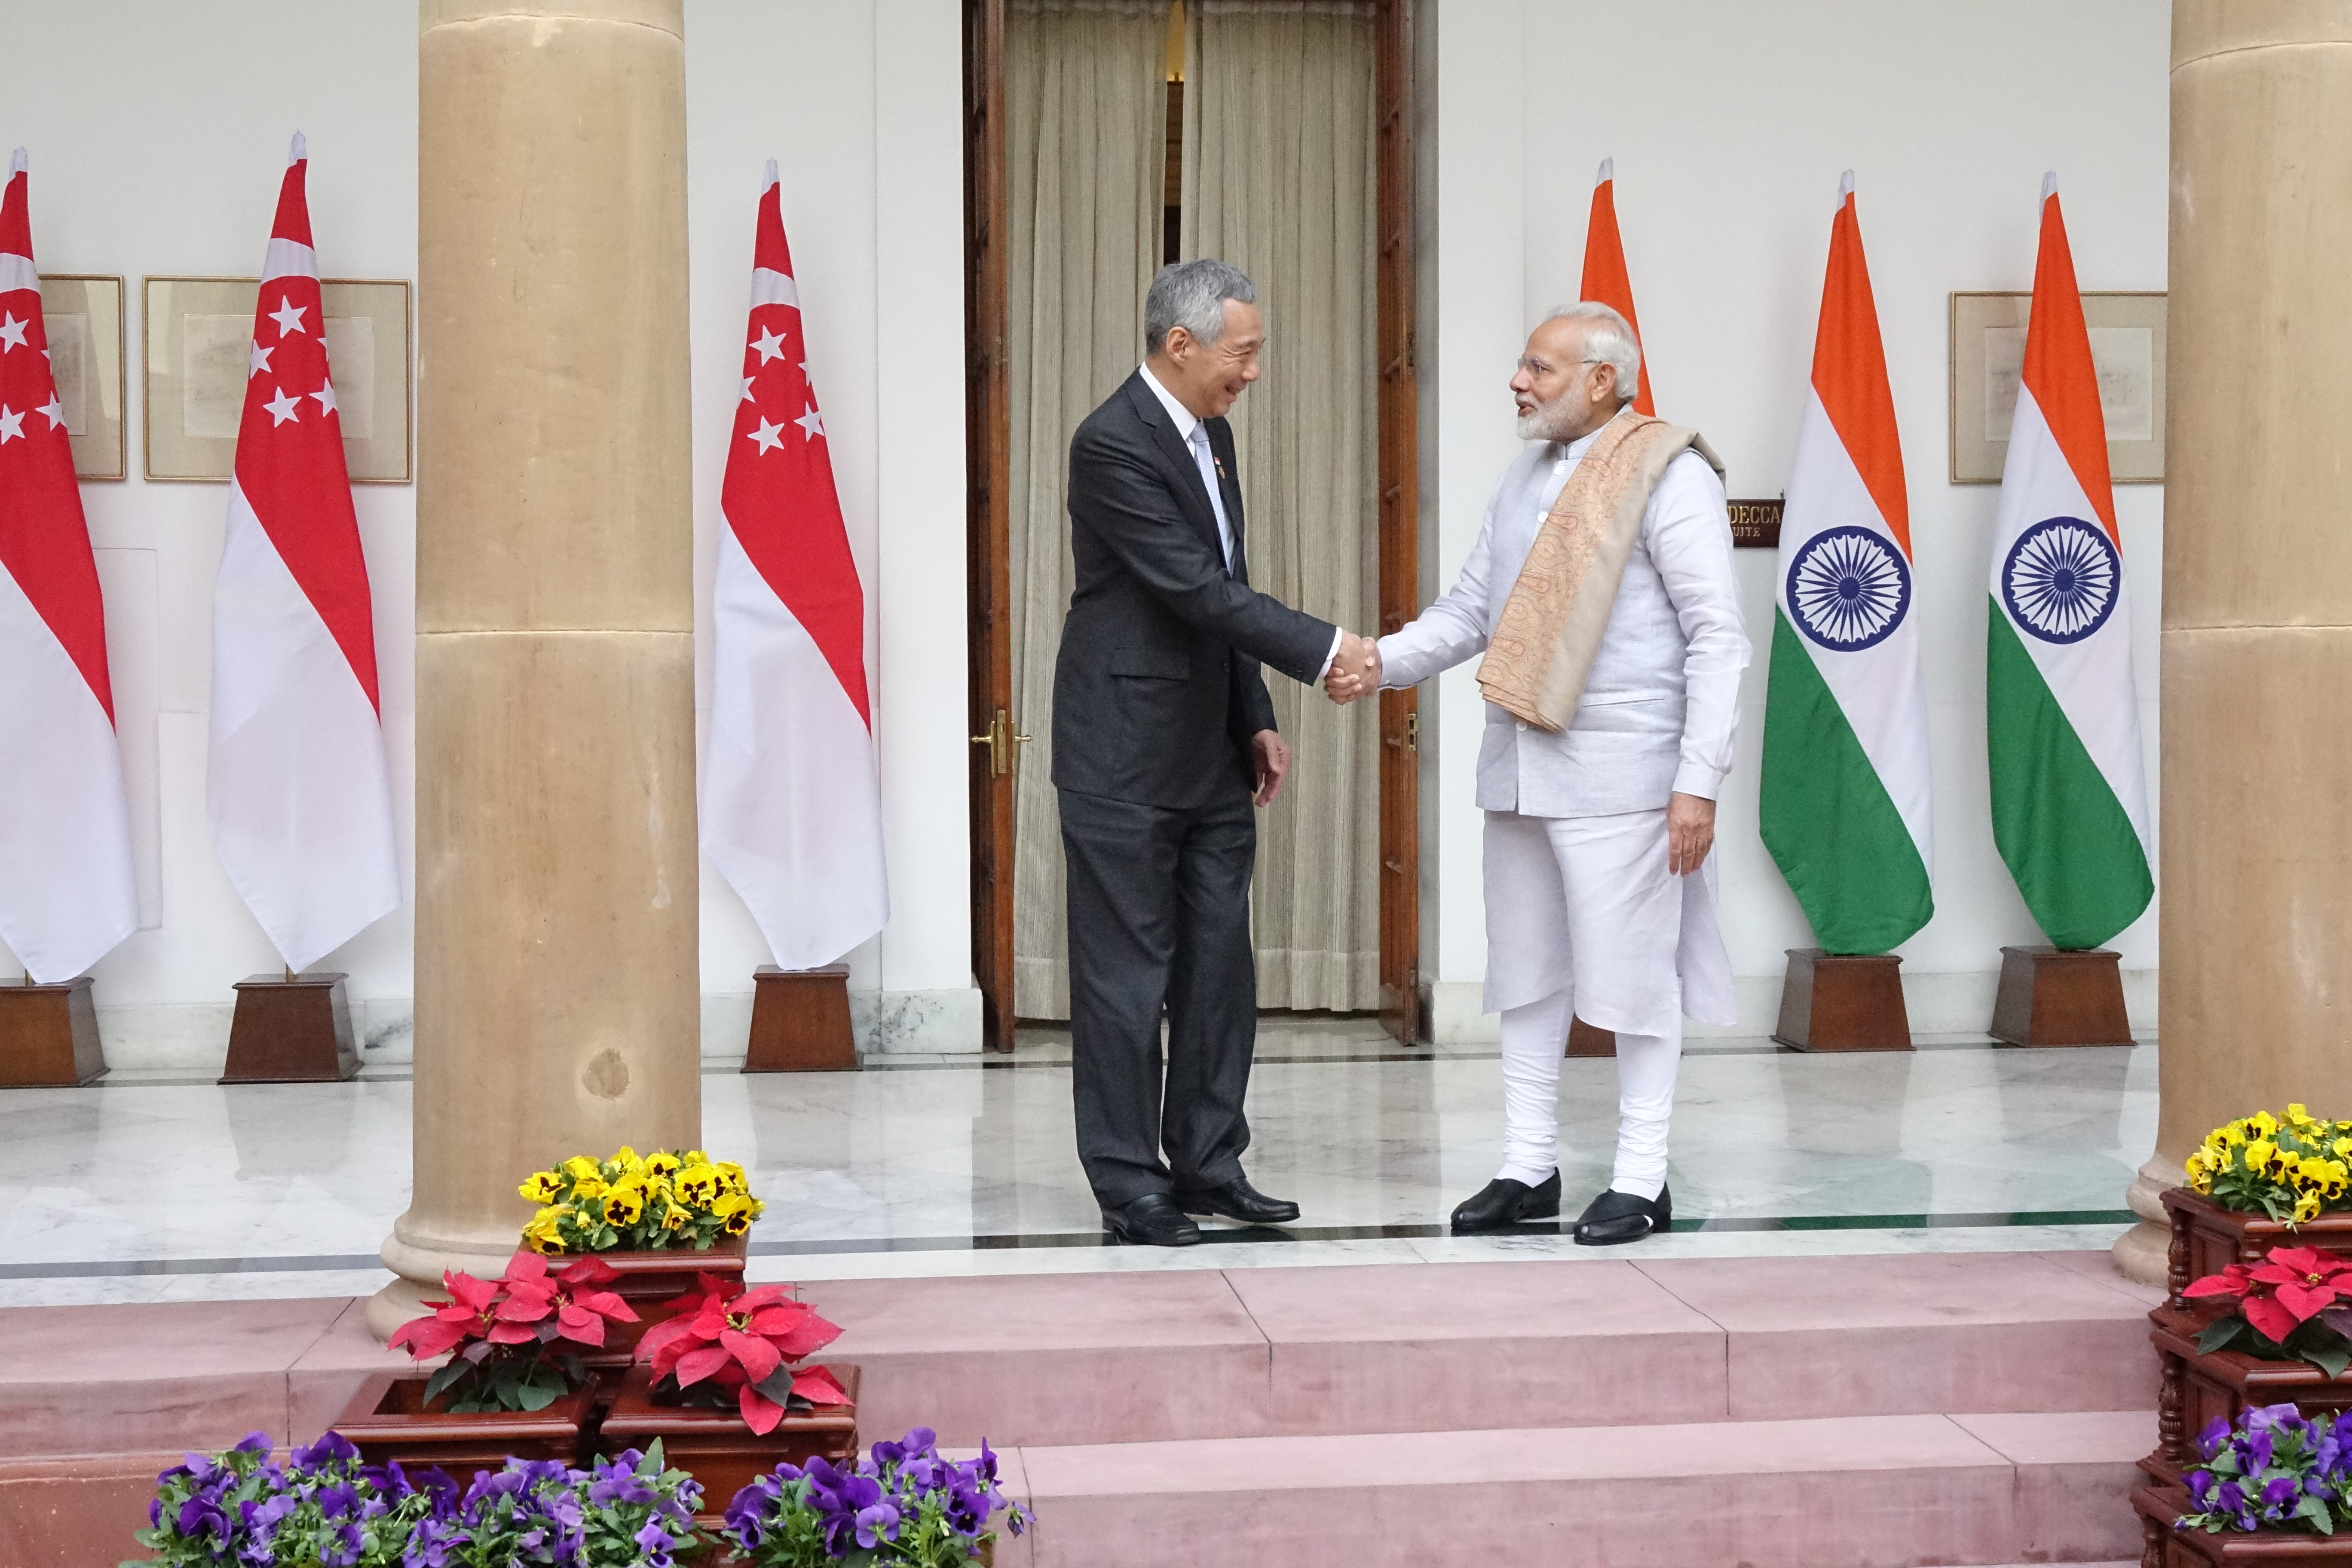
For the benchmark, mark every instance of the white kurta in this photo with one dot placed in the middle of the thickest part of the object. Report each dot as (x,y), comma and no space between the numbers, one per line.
(1596,909)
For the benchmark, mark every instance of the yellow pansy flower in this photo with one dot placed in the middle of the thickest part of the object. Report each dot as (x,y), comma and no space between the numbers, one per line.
(625,1204)
(698,1184)
(732,1177)
(737,1211)
(2306,1208)
(2258,1154)
(581,1166)
(629,1161)
(544,1187)
(673,1218)
(2264,1123)
(662,1162)
(590,1187)
(543,1233)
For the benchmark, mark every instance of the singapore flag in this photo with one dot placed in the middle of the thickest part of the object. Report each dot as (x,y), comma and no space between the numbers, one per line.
(791,810)
(298,795)
(67,891)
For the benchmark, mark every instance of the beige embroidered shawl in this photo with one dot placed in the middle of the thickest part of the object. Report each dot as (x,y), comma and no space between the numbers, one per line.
(1544,646)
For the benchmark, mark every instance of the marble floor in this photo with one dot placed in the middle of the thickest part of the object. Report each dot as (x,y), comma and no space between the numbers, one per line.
(154,1188)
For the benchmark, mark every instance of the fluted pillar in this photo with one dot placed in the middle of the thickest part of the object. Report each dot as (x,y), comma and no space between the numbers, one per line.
(2256,933)
(556,947)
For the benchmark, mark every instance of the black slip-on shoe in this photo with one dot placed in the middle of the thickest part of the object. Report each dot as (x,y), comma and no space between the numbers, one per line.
(1237,1200)
(1151,1220)
(1615,1218)
(1505,1201)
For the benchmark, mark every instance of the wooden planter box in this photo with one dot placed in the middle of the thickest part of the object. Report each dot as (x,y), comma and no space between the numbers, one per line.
(2168,1548)
(2199,1387)
(725,1557)
(2208,1238)
(715,1446)
(387,1420)
(647,1280)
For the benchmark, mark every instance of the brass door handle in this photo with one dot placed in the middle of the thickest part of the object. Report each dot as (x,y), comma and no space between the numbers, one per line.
(1000,739)
(993,739)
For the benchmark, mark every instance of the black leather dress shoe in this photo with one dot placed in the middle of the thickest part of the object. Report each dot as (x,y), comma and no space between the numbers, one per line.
(1237,1200)
(1615,1218)
(1151,1220)
(1506,1202)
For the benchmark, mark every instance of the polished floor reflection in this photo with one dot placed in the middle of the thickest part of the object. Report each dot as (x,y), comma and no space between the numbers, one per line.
(154,1189)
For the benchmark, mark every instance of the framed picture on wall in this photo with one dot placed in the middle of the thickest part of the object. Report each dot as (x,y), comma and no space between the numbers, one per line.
(83,317)
(198,333)
(1987,355)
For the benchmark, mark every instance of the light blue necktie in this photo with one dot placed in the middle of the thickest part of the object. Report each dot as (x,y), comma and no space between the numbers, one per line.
(1208,466)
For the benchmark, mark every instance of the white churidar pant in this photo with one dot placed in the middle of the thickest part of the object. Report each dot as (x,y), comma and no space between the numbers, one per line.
(1583,919)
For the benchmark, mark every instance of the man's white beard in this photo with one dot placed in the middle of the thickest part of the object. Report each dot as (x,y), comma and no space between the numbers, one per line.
(1545,421)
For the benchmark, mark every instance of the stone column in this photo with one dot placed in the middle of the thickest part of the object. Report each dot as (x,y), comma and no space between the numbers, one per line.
(557,990)
(2256,935)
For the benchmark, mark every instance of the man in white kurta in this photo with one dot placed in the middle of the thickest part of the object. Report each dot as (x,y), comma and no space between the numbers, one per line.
(1599,882)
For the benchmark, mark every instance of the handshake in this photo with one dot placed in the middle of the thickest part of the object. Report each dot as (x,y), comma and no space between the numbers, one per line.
(1355,669)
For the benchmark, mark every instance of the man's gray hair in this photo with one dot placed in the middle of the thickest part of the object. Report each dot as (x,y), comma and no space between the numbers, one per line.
(1608,340)
(1193,295)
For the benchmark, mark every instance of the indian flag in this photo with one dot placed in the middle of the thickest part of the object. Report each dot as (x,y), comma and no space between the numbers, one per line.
(2062,718)
(1845,807)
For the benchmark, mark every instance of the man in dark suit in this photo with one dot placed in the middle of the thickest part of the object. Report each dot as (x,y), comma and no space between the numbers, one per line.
(1163,737)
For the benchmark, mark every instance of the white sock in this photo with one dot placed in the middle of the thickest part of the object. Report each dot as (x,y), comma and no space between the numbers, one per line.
(1646,1101)
(1533,1039)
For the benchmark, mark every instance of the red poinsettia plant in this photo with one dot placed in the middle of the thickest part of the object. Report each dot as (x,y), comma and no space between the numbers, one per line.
(510,1334)
(2294,1305)
(719,1348)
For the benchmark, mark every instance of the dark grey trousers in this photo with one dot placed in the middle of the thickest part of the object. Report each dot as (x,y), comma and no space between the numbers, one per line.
(1159,902)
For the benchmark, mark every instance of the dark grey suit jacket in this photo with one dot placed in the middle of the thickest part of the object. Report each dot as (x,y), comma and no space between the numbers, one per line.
(1157,690)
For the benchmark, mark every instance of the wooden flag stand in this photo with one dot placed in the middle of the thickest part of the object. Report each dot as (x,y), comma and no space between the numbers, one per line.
(1833,1002)
(291,1028)
(1584,1041)
(800,1021)
(48,1036)
(2057,996)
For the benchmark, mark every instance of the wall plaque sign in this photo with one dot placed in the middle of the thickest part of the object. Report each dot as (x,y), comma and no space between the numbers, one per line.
(199,331)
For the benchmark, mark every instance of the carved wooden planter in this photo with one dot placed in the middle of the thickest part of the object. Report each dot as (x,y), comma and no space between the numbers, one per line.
(648,1279)
(387,1419)
(2198,1387)
(716,1447)
(2208,1238)
(2165,1547)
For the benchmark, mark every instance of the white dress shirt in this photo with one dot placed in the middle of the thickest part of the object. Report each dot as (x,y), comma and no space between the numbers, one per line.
(1657,711)
(1193,431)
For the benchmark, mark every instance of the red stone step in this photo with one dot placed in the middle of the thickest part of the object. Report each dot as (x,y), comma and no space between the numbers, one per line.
(1884,1491)
(1070,1359)
(1105,1358)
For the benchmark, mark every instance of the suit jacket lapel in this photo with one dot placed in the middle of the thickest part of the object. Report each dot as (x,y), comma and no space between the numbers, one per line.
(1190,494)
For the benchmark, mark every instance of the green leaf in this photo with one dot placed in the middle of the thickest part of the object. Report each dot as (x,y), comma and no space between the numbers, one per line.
(2329,1359)
(535,1396)
(2222,1334)
(439,1383)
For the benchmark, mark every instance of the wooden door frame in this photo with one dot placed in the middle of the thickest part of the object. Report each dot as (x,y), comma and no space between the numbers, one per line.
(988,460)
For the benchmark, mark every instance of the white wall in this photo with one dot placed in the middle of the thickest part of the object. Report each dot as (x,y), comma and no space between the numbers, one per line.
(1729,124)
(157,135)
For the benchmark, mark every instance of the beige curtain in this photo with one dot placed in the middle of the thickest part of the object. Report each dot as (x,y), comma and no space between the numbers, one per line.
(1086,146)
(1279,180)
